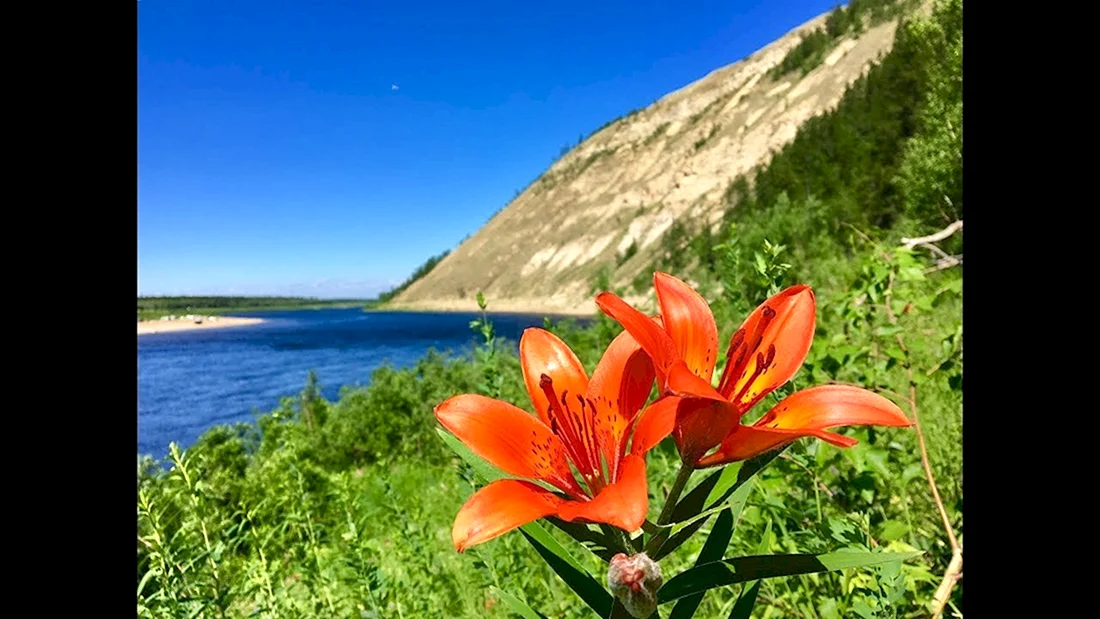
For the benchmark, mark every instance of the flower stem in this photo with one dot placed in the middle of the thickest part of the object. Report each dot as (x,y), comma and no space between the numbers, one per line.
(618,537)
(624,539)
(674,494)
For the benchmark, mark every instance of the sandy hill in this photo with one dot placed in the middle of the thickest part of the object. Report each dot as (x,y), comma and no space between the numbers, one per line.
(627,183)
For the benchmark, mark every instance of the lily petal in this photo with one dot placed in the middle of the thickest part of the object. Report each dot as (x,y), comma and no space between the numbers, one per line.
(828,406)
(683,382)
(746,442)
(655,423)
(498,508)
(509,438)
(701,425)
(618,390)
(622,504)
(650,336)
(690,323)
(809,413)
(770,346)
(542,352)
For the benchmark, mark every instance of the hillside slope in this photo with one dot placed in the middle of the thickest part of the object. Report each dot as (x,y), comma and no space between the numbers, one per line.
(607,203)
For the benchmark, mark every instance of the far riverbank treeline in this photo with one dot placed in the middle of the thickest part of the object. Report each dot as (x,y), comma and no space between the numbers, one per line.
(150,308)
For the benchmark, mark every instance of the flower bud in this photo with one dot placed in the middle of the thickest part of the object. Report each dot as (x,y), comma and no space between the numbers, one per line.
(634,582)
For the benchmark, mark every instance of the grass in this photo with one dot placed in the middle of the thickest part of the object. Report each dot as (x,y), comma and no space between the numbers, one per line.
(350,513)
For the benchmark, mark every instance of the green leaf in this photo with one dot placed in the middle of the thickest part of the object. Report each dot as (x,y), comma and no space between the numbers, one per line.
(893,529)
(713,549)
(743,608)
(677,539)
(736,503)
(517,605)
(566,567)
(595,541)
(878,459)
(743,569)
(539,534)
(145,579)
(487,472)
(720,485)
(765,539)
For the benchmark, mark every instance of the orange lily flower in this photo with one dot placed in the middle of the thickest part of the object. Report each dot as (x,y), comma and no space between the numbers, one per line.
(581,423)
(762,356)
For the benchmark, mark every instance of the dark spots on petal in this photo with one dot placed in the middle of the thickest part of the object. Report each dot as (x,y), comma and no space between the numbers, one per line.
(736,341)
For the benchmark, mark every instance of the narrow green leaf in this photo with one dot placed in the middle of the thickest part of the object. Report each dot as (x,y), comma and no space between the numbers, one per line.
(765,539)
(536,531)
(594,541)
(716,488)
(744,569)
(713,549)
(677,539)
(694,501)
(736,500)
(567,568)
(743,608)
(487,472)
(736,503)
(517,605)
(746,600)
(144,580)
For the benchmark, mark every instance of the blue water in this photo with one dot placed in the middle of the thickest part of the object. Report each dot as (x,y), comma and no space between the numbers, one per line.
(191,381)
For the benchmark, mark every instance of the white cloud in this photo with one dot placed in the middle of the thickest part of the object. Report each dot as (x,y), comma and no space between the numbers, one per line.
(394,87)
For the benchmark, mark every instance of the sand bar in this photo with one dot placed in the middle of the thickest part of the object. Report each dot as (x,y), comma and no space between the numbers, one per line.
(147,327)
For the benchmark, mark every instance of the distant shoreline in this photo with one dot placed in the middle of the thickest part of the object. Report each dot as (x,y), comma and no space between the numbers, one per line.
(149,327)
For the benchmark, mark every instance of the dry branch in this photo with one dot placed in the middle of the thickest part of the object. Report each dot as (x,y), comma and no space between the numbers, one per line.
(950,577)
(933,238)
(946,263)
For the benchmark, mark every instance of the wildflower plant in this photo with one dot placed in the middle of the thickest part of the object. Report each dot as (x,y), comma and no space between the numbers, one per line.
(579,463)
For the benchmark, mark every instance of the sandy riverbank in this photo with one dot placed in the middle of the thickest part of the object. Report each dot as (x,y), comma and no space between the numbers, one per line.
(146,327)
(497,306)
(559,306)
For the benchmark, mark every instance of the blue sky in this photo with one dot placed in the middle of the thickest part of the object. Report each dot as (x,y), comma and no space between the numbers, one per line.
(327,148)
